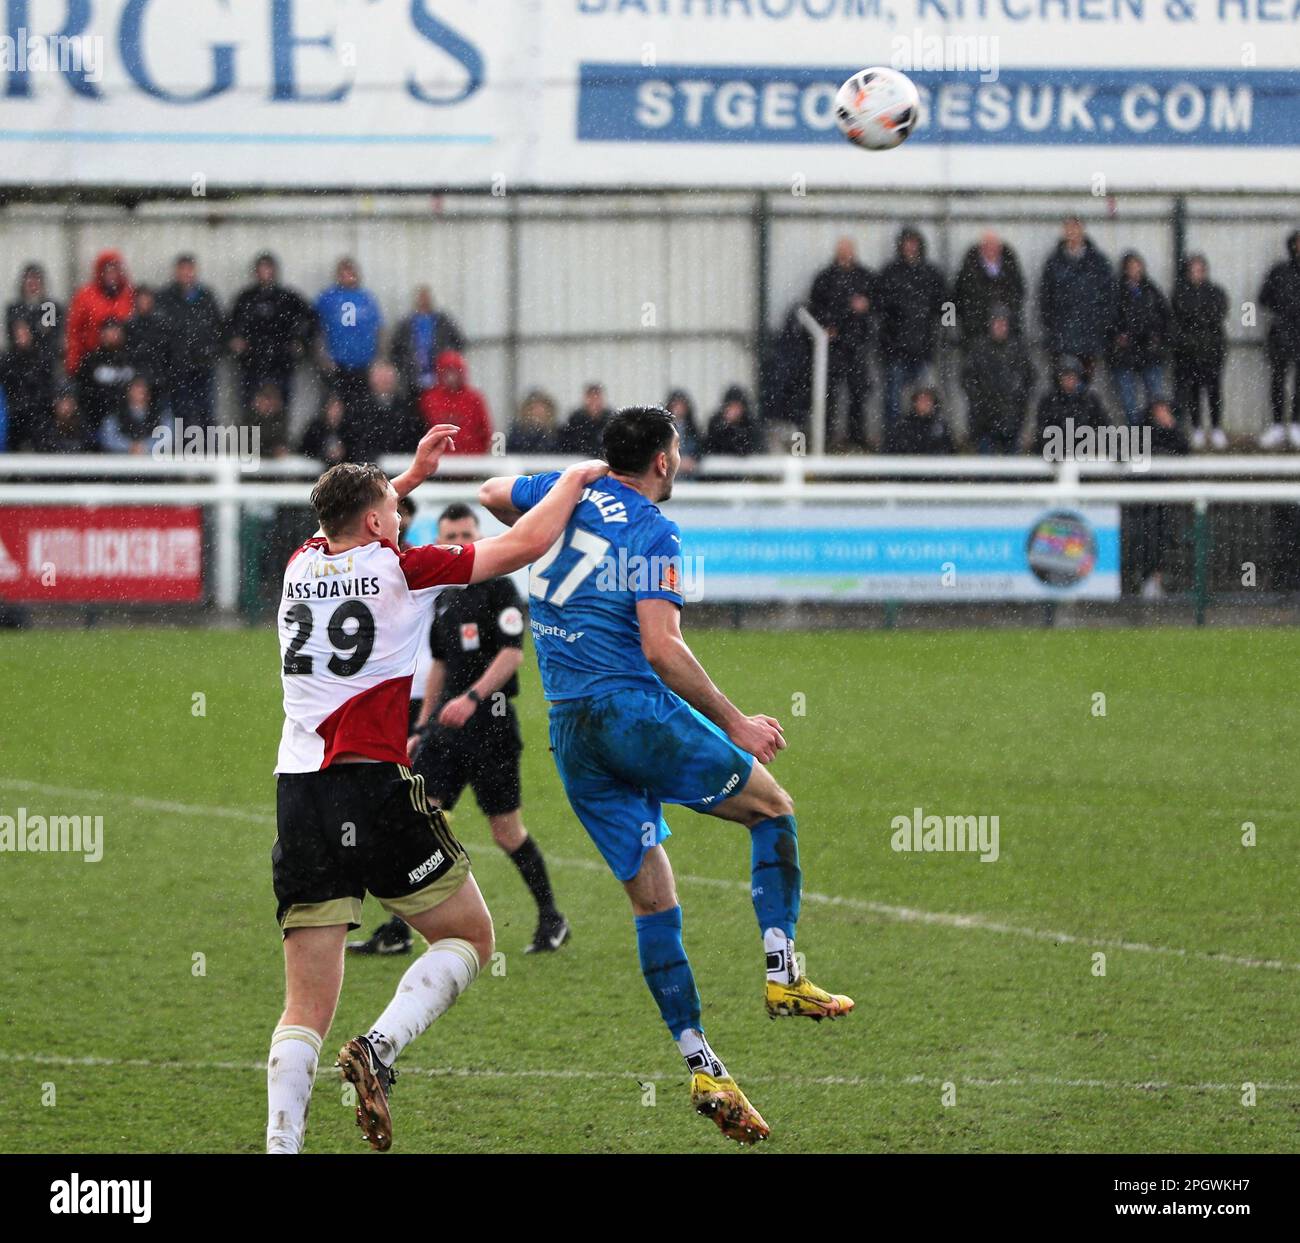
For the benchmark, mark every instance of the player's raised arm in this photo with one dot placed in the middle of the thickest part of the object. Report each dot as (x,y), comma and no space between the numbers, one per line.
(672,659)
(428,453)
(534,532)
(495,496)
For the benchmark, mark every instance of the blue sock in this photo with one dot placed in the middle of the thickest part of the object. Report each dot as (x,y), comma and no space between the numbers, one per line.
(775,879)
(667,972)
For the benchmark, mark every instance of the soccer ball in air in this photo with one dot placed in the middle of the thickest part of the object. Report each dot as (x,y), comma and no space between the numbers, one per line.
(877,108)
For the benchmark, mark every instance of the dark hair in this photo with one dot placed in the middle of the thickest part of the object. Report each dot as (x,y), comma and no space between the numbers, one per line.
(344,492)
(457,511)
(634,436)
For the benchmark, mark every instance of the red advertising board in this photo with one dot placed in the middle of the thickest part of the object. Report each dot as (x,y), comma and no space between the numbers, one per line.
(121,554)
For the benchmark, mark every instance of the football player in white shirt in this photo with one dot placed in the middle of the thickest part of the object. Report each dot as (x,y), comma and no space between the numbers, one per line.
(351,816)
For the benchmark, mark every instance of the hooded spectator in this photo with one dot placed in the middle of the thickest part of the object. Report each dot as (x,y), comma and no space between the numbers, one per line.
(350,322)
(267,413)
(909,300)
(62,430)
(923,431)
(328,436)
(28,386)
(581,435)
(679,404)
(107,296)
(130,429)
(786,370)
(452,400)
(1076,299)
(148,342)
(42,315)
(384,420)
(103,376)
(989,276)
(269,330)
(533,430)
(1069,405)
(733,430)
(841,302)
(1139,338)
(420,338)
(1280,294)
(998,378)
(194,326)
(1200,346)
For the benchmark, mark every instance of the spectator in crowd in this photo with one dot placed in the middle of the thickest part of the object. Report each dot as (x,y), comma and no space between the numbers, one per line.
(269,417)
(42,315)
(923,431)
(998,378)
(1069,405)
(148,342)
(679,404)
(194,327)
(1161,526)
(909,300)
(1139,338)
(533,430)
(989,276)
(63,430)
(28,386)
(452,400)
(350,321)
(841,301)
(130,428)
(733,430)
(103,376)
(108,295)
(420,338)
(1280,294)
(1076,297)
(1200,345)
(785,370)
(580,436)
(270,329)
(384,420)
(329,435)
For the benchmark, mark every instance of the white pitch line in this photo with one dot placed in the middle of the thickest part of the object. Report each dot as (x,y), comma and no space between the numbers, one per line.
(899,914)
(836,1081)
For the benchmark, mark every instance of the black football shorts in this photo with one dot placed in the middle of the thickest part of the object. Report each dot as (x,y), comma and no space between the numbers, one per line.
(354,829)
(484,756)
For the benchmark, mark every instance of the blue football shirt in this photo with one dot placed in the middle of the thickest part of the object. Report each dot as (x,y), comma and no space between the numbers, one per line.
(617,549)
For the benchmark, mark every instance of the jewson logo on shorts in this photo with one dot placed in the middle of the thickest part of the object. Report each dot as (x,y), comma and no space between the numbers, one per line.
(1071,443)
(431,864)
(122,1196)
(681,575)
(29,834)
(949,834)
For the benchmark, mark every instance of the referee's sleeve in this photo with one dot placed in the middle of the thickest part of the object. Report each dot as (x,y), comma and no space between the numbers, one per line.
(508,614)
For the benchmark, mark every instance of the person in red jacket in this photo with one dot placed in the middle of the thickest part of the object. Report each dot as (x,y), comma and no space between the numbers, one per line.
(108,296)
(452,400)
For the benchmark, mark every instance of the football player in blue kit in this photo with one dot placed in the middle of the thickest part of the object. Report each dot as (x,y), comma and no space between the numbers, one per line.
(636,722)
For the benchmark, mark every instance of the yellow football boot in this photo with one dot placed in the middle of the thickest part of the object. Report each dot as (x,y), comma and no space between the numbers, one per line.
(724,1102)
(803,999)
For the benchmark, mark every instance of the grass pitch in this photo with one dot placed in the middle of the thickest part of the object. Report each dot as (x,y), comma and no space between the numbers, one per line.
(983,1022)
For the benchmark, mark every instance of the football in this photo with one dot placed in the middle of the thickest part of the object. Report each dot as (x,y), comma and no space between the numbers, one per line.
(877,108)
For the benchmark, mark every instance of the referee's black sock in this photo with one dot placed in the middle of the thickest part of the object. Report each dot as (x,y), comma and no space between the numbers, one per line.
(532,867)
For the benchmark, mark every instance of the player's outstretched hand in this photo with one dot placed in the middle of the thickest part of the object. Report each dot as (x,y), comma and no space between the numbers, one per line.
(433,444)
(589,471)
(760,735)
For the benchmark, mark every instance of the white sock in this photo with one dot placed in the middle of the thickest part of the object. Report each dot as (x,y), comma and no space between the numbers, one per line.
(779,949)
(699,1056)
(290,1074)
(431,983)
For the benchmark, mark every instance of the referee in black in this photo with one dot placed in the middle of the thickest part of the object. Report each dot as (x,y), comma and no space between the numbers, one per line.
(465,731)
